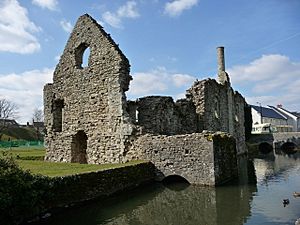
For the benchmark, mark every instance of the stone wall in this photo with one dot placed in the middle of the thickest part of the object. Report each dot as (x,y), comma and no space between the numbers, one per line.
(200,158)
(219,108)
(87,186)
(161,115)
(88,119)
(89,100)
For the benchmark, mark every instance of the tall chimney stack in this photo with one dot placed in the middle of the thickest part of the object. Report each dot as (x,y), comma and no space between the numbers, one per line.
(221,59)
(223,77)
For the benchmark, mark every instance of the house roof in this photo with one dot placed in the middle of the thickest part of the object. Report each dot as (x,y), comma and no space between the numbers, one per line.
(267,112)
(296,114)
(9,122)
(285,111)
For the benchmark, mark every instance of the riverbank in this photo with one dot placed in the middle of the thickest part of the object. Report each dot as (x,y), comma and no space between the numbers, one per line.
(25,195)
(236,203)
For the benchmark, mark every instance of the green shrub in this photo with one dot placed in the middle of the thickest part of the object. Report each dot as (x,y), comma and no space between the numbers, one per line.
(22,194)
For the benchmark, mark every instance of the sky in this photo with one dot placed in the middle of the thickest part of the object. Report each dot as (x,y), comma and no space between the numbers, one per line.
(169,44)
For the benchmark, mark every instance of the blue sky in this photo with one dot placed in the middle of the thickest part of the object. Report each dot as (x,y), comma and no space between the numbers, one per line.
(169,44)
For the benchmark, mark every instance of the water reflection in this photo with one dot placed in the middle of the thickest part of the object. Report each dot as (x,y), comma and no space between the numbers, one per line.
(192,205)
(275,167)
(277,179)
(177,203)
(245,202)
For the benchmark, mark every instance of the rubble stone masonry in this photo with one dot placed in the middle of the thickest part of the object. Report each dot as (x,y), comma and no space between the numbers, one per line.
(89,120)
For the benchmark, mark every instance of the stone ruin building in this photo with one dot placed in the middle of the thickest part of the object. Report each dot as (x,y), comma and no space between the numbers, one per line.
(89,120)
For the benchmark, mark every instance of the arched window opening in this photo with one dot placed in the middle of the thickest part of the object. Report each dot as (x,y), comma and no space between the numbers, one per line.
(82,55)
(237,110)
(78,148)
(216,107)
(85,57)
(136,116)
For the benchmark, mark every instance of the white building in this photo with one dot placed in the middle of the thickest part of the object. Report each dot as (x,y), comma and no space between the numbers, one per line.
(267,119)
(292,117)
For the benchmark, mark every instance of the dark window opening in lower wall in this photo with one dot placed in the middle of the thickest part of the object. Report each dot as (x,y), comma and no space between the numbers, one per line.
(57,111)
(78,148)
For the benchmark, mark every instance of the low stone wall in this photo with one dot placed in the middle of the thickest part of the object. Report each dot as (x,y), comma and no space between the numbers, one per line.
(81,187)
(201,158)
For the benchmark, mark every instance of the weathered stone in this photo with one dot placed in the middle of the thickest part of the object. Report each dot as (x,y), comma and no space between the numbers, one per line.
(88,119)
(201,158)
(88,100)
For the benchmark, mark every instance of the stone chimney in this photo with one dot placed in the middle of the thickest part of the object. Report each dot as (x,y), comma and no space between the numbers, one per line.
(223,77)
(221,60)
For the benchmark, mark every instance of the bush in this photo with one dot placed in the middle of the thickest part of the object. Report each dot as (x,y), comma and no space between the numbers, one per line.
(22,194)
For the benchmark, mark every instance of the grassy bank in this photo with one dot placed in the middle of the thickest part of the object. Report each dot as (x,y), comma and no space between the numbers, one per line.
(24,153)
(32,159)
(53,169)
(24,193)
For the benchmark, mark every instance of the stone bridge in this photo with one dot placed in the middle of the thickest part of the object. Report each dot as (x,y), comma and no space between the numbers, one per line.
(288,142)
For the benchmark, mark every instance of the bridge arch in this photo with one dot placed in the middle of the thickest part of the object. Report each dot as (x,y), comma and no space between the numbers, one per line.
(289,147)
(174,178)
(265,147)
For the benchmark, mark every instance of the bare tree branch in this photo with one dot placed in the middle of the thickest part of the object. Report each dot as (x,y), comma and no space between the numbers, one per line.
(38,115)
(8,110)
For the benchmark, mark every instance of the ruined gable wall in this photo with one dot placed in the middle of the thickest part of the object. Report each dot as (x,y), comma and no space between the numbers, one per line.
(93,97)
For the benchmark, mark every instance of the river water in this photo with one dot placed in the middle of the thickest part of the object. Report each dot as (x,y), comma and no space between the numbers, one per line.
(255,199)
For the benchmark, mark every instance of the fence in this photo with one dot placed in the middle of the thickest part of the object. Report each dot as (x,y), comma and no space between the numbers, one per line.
(20,143)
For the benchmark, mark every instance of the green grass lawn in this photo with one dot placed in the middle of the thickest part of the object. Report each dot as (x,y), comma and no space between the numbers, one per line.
(53,169)
(32,159)
(26,153)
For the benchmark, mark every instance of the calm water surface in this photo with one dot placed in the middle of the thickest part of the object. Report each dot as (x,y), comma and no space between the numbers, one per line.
(256,199)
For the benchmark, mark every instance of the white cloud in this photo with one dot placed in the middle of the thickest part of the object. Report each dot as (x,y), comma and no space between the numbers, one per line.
(159,81)
(66,25)
(175,8)
(271,79)
(46,4)
(112,19)
(26,90)
(16,30)
(182,79)
(129,10)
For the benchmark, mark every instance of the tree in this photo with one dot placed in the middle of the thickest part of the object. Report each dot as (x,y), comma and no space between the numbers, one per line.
(38,115)
(8,110)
